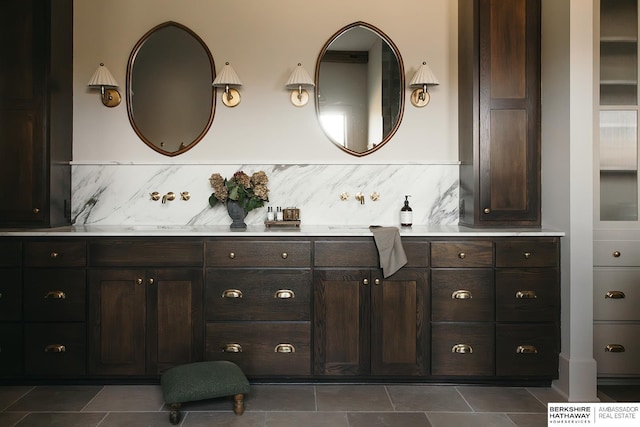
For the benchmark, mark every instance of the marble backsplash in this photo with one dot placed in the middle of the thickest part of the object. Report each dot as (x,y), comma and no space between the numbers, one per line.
(119,194)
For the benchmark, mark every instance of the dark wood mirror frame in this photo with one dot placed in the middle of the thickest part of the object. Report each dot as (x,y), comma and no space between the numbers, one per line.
(202,120)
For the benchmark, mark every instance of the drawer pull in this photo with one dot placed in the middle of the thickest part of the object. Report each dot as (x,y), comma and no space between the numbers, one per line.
(616,254)
(285,348)
(462,349)
(55,295)
(232,293)
(487,211)
(284,255)
(614,295)
(365,281)
(232,255)
(527,255)
(614,348)
(461,294)
(55,348)
(462,255)
(284,294)
(232,348)
(526,295)
(526,349)
(54,255)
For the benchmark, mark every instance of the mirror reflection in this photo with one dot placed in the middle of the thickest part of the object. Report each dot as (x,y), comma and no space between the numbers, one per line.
(170,100)
(360,89)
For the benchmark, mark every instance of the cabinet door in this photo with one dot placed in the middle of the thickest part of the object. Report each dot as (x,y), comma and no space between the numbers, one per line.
(175,328)
(117,313)
(342,325)
(399,323)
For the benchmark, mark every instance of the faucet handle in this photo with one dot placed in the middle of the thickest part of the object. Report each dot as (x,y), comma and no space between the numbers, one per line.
(155,196)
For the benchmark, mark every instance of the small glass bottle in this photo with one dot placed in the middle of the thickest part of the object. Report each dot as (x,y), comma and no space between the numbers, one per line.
(279,214)
(270,215)
(406,214)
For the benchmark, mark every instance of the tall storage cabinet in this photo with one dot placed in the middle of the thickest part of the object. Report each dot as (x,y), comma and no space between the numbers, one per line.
(36,85)
(499,112)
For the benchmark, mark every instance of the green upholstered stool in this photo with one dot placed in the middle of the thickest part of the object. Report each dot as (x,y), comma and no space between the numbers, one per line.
(203,380)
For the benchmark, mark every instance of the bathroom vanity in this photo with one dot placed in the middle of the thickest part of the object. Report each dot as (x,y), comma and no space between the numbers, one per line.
(124,304)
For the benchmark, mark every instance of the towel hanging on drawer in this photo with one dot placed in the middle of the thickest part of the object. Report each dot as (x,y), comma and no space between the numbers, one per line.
(390,250)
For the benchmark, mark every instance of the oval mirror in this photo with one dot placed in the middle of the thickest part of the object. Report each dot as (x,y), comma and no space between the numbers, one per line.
(360,89)
(170,100)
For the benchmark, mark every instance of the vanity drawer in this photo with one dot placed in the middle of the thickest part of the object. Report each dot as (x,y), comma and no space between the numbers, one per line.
(616,253)
(462,349)
(258,294)
(11,355)
(616,348)
(527,253)
(262,348)
(462,295)
(146,252)
(55,253)
(55,349)
(346,253)
(244,253)
(616,293)
(462,254)
(11,294)
(527,350)
(10,254)
(54,295)
(527,295)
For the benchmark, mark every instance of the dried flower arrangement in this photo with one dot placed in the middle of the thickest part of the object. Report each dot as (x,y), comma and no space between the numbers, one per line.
(249,192)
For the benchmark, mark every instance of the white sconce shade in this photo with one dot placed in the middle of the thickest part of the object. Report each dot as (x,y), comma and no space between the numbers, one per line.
(103,80)
(298,80)
(226,78)
(421,79)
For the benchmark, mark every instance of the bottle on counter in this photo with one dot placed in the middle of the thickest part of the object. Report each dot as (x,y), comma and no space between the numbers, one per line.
(279,214)
(406,214)
(270,214)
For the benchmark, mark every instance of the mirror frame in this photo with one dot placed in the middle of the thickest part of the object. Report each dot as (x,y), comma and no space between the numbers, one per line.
(396,51)
(130,64)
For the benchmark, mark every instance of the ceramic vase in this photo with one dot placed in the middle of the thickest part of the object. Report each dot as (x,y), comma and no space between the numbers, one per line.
(237,214)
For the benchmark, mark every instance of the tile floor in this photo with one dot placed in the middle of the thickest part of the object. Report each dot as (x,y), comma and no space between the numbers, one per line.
(267,405)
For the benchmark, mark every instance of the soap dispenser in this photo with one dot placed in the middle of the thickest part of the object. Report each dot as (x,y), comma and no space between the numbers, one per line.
(406,214)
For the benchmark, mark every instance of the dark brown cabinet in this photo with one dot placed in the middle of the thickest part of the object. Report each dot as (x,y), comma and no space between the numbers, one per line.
(499,112)
(11,353)
(36,88)
(365,324)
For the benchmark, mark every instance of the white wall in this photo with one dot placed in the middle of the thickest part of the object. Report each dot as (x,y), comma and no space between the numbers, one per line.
(263,41)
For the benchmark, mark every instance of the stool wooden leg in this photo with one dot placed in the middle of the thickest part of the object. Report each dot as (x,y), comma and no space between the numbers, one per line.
(238,406)
(174,415)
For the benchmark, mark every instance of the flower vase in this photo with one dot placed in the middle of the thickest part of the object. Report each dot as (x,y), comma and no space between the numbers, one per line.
(237,214)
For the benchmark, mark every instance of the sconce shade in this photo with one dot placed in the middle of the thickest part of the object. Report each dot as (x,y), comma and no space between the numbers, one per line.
(227,77)
(102,77)
(299,77)
(424,76)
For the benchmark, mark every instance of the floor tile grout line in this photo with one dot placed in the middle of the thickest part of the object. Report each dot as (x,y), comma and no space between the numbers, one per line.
(465,399)
(16,400)
(92,399)
(386,389)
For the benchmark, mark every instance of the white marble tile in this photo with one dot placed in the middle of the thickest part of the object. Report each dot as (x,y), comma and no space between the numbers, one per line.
(119,194)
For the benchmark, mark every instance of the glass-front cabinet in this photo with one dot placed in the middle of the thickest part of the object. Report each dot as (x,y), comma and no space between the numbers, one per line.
(617,204)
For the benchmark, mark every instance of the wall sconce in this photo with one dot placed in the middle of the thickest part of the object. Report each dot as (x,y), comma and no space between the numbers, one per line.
(296,83)
(228,77)
(423,77)
(103,80)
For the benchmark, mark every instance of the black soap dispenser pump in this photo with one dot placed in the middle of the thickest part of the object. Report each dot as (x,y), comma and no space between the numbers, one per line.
(406,214)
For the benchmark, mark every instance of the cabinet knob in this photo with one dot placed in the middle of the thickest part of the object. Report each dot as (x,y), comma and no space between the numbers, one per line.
(616,254)
(614,295)
(461,294)
(232,255)
(232,293)
(55,295)
(232,348)
(139,281)
(284,294)
(284,255)
(377,281)
(527,255)
(614,348)
(487,210)
(36,210)
(151,281)
(365,281)
(526,295)
(54,255)
(526,349)
(285,348)
(462,255)
(462,349)
(55,348)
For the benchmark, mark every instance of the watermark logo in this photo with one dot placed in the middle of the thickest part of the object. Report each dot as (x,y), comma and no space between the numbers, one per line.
(599,414)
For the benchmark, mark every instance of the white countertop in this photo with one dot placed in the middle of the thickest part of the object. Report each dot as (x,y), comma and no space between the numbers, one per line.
(262,231)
